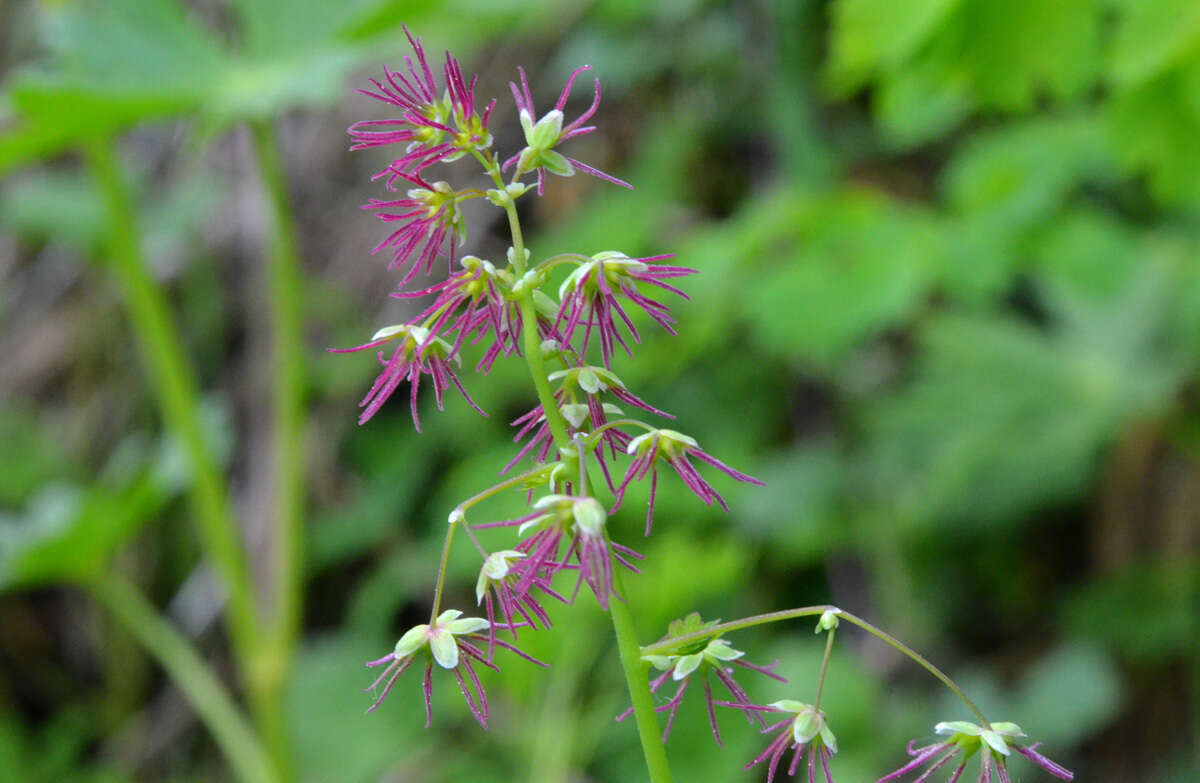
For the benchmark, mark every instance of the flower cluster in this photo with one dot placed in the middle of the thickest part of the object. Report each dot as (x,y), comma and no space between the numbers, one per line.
(708,655)
(586,418)
(994,744)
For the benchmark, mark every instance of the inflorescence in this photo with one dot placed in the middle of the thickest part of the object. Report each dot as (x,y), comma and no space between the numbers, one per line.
(586,414)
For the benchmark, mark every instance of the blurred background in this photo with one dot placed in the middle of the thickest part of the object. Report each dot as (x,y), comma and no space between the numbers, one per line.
(948,309)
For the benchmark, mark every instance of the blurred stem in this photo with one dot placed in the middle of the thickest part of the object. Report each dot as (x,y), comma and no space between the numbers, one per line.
(676,642)
(175,387)
(824,668)
(233,734)
(639,689)
(631,662)
(287,375)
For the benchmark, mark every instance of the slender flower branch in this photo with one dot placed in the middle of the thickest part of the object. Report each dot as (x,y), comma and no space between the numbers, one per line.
(824,668)
(441,575)
(667,645)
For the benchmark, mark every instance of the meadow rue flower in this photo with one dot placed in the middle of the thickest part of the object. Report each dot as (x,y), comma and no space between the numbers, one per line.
(470,301)
(495,588)
(994,745)
(544,134)
(712,656)
(582,522)
(591,296)
(417,353)
(435,126)
(582,418)
(450,641)
(807,727)
(676,449)
(429,219)
(589,380)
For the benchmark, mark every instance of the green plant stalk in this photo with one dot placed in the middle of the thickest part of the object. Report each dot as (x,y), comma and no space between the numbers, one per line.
(627,645)
(824,668)
(175,388)
(233,734)
(285,289)
(665,645)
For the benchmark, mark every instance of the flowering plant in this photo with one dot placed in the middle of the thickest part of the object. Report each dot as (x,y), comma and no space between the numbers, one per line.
(584,420)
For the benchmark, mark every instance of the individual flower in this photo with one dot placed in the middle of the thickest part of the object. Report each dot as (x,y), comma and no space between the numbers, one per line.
(450,641)
(586,380)
(591,296)
(994,745)
(430,220)
(807,727)
(417,353)
(582,418)
(496,589)
(544,134)
(581,523)
(469,301)
(717,657)
(434,125)
(675,449)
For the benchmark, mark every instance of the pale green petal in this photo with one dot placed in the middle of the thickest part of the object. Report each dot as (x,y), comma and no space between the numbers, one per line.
(445,649)
(388,331)
(790,705)
(1007,729)
(545,134)
(590,516)
(527,126)
(447,616)
(957,727)
(660,662)
(687,664)
(556,163)
(827,738)
(996,741)
(466,625)
(720,650)
(412,640)
(588,380)
(806,726)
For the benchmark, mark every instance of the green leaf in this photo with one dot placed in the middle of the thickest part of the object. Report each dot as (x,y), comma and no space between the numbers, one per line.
(1149,612)
(68,534)
(1067,696)
(1003,418)
(1016,49)
(872,34)
(1153,36)
(1154,128)
(849,267)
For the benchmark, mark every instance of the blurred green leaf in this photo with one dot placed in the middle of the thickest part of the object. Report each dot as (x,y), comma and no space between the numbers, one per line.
(68,534)
(879,34)
(1152,36)
(1002,418)
(847,268)
(1148,612)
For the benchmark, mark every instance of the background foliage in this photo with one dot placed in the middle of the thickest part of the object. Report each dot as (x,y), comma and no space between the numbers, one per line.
(949,309)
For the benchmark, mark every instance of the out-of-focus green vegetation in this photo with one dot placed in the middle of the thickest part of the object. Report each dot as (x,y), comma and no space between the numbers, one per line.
(949,310)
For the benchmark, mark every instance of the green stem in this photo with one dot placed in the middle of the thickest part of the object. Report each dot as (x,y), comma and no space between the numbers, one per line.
(824,669)
(287,446)
(631,663)
(188,671)
(441,577)
(287,373)
(636,679)
(175,387)
(666,645)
